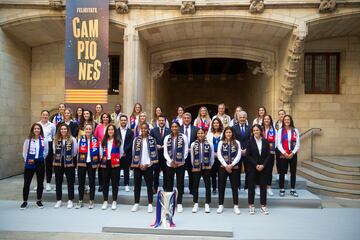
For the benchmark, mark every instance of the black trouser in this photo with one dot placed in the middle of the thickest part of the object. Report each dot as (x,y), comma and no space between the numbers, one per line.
(234,181)
(215,173)
(189,170)
(284,165)
(49,163)
(70,178)
(161,166)
(28,175)
(125,165)
(206,174)
(82,175)
(180,173)
(256,177)
(112,174)
(269,169)
(244,162)
(148,176)
(100,177)
(277,158)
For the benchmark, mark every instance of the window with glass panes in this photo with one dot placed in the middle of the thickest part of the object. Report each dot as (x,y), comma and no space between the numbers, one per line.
(322,73)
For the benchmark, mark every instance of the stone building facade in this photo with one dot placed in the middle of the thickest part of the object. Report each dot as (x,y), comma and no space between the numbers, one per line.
(271,38)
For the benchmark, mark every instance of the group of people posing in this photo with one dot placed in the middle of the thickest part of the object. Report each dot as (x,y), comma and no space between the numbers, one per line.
(213,149)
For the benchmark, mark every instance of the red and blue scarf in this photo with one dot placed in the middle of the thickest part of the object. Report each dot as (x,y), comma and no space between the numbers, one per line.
(270,137)
(115,156)
(30,157)
(83,152)
(285,140)
(58,119)
(203,124)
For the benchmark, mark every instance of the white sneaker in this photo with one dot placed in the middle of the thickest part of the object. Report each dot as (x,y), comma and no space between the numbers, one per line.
(57,204)
(236,209)
(252,210)
(179,208)
(70,204)
(257,191)
(195,208)
(264,210)
(150,208)
(48,187)
(113,205)
(220,209)
(127,188)
(91,205)
(207,208)
(79,205)
(104,206)
(270,192)
(135,208)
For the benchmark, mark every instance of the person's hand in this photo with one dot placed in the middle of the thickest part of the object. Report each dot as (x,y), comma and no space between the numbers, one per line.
(215,155)
(243,152)
(158,146)
(228,168)
(173,164)
(290,155)
(144,167)
(259,168)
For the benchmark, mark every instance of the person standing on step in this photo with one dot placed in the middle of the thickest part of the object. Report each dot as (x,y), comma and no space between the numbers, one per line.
(202,159)
(214,136)
(58,117)
(98,112)
(159,134)
(270,135)
(180,111)
(225,119)
(49,130)
(242,134)
(68,120)
(110,164)
(190,132)
(288,143)
(115,116)
(258,154)
(35,150)
(88,162)
(278,125)
(229,154)
(134,117)
(175,152)
(260,116)
(155,121)
(127,138)
(65,149)
(203,119)
(145,155)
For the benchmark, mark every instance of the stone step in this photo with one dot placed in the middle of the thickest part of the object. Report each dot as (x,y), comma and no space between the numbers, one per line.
(320,179)
(342,163)
(329,171)
(334,192)
(305,200)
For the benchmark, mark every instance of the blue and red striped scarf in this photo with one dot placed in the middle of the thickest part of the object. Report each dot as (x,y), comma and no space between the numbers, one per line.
(114,155)
(285,140)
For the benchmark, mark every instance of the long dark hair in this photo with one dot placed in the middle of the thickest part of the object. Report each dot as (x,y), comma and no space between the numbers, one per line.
(221,126)
(271,121)
(106,136)
(259,127)
(108,115)
(31,134)
(232,136)
(291,121)
(82,122)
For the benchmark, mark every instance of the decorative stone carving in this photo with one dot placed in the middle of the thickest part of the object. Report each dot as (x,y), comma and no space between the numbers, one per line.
(291,70)
(327,6)
(121,6)
(267,68)
(187,7)
(157,70)
(56,4)
(256,6)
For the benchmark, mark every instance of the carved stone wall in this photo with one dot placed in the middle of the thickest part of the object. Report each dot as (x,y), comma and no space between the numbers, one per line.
(121,6)
(256,6)
(327,6)
(187,7)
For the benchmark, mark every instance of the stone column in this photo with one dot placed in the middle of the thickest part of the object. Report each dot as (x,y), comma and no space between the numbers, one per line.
(131,54)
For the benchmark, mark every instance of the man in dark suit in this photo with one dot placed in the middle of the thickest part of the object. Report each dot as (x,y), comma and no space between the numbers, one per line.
(159,134)
(190,132)
(242,134)
(127,138)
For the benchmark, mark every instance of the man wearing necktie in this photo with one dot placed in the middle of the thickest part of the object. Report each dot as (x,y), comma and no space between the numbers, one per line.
(190,132)
(242,134)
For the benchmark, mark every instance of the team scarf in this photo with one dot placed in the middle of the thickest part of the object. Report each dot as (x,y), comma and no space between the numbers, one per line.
(114,155)
(180,148)
(132,122)
(68,158)
(58,119)
(83,151)
(229,151)
(203,124)
(30,157)
(270,137)
(203,163)
(138,151)
(285,140)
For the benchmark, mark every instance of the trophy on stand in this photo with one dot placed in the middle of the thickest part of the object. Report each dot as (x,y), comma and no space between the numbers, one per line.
(165,209)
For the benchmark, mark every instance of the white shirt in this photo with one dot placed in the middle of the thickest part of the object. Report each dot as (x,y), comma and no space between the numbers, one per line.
(221,158)
(179,120)
(166,153)
(257,121)
(189,132)
(212,153)
(259,144)
(278,140)
(109,148)
(34,148)
(225,119)
(123,134)
(49,130)
(145,157)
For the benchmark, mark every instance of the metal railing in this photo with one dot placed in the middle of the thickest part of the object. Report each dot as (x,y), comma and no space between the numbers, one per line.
(310,132)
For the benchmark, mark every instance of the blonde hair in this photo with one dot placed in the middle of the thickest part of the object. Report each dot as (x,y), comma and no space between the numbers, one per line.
(207,117)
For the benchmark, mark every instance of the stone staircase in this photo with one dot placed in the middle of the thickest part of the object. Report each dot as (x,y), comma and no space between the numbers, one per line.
(337,176)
